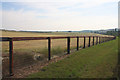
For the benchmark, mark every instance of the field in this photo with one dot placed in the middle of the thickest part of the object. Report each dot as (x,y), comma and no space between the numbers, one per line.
(25,52)
(98,61)
(38,45)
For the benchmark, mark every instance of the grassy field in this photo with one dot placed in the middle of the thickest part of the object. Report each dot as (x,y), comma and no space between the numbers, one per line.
(30,34)
(39,45)
(25,51)
(98,61)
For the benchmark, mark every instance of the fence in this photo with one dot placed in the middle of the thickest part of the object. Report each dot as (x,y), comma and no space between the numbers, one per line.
(99,40)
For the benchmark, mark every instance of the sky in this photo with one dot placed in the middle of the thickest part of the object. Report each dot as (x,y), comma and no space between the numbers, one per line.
(59,15)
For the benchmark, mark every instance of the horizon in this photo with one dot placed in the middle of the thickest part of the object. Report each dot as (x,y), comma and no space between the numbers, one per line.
(57,30)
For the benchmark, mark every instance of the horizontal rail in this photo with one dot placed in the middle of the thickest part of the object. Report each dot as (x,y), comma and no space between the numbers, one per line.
(4,38)
(42,38)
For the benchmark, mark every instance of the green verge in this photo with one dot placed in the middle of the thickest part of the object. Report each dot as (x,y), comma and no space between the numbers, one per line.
(98,61)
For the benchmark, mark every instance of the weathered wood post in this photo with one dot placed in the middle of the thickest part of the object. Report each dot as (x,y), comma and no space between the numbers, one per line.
(93,40)
(84,42)
(89,42)
(68,45)
(11,57)
(77,43)
(49,48)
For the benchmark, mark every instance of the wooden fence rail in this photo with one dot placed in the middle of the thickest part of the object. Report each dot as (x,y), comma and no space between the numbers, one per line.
(99,39)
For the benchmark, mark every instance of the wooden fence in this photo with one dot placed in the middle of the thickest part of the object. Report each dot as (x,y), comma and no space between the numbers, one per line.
(99,39)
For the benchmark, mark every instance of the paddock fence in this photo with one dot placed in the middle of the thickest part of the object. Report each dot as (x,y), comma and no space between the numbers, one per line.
(92,40)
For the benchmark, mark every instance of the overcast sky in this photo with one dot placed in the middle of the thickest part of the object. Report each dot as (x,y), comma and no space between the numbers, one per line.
(59,15)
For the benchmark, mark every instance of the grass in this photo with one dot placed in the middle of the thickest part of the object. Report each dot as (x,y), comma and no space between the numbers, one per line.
(29,34)
(24,51)
(98,61)
(32,45)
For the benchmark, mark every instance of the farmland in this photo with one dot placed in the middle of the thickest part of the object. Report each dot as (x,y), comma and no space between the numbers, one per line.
(24,51)
(38,45)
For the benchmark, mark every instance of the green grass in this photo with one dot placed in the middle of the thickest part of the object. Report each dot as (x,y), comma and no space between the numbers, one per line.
(98,61)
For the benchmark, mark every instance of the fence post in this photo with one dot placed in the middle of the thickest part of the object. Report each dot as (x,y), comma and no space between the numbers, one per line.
(84,42)
(68,45)
(109,38)
(89,42)
(99,40)
(49,48)
(77,43)
(11,57)
(93,40)
(103,39)
(106,39)
(96,40)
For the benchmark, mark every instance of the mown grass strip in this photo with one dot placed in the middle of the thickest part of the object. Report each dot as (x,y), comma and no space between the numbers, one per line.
(98,61)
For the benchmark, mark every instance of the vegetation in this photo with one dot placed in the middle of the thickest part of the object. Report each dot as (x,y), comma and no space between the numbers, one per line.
(98,61)
(26,52)
(39,45)
(114,33)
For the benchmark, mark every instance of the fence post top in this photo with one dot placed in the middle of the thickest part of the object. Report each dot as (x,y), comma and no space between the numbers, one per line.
(10,39)
(68,37)
(49,37)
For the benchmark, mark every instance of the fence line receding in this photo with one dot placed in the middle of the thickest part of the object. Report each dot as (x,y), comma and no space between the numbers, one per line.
(99,39)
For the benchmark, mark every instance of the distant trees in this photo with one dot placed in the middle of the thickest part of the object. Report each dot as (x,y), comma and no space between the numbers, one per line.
(114,33)
(69,31)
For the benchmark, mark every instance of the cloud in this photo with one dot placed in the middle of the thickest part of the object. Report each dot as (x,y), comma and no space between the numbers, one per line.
(61,3)
(57,15)
(20,20)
